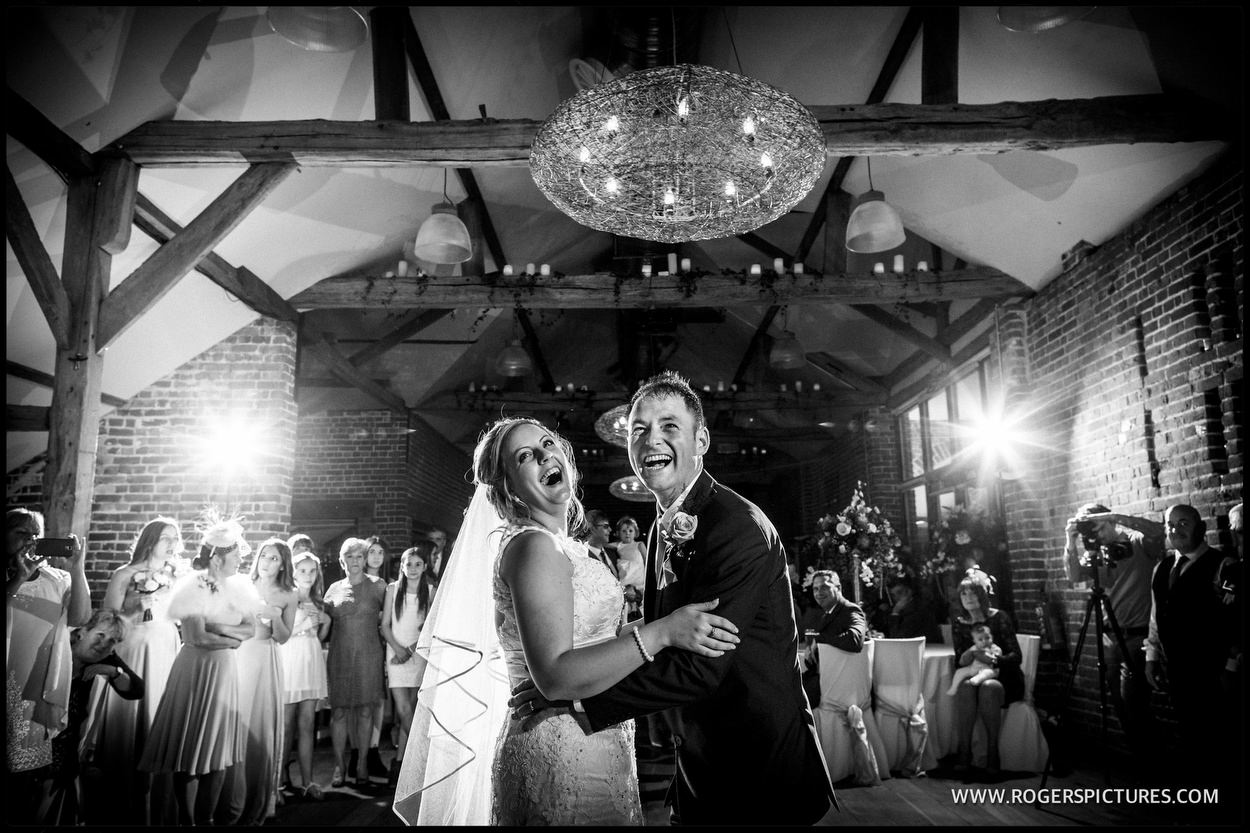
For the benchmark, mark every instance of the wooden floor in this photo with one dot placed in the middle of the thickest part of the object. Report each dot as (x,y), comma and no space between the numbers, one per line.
(931,800)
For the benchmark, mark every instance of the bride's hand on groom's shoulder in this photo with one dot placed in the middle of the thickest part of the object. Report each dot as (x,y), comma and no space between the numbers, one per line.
(693,628)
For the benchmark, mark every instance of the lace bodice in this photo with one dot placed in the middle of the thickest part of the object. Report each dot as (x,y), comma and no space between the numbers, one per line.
(598,602)
(555,774)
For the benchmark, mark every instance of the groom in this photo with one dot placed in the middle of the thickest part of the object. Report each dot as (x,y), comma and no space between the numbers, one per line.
(747,751)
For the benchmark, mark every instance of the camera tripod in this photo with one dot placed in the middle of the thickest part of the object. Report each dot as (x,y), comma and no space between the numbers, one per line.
(1097,605)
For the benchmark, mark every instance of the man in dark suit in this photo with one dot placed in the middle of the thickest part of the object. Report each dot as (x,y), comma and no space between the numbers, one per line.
(746,748)
(841,624)
(438,558)
(598,531)
(1187,648)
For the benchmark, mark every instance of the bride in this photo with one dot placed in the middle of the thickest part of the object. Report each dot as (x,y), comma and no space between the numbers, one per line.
(552,615)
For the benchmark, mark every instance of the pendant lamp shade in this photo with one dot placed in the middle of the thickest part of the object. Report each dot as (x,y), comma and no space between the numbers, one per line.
(443,237)
(874,225)
(513,360)
(630,488)
(787,353)
(319,28)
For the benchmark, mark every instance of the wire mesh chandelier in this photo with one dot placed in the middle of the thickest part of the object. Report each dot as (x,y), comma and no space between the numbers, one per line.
(678,153)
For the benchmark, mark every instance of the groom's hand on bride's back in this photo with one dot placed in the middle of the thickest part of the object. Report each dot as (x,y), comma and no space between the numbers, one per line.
(529,706)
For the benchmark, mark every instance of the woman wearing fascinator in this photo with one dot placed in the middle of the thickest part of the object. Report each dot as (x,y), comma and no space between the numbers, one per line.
(196,733)
(986,701)
(521,601)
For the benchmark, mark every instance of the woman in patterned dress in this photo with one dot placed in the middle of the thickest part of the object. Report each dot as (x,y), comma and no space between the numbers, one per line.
(354,664)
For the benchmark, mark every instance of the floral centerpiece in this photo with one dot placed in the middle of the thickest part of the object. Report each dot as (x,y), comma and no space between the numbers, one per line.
(860,544)
(963,539)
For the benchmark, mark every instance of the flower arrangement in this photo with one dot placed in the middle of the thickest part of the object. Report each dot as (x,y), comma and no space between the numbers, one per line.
(860,534)
(151,581)
(956,536)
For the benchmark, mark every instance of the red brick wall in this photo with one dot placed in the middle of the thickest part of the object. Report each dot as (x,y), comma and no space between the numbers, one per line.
(407,469)
(150,462)
(1132,360)
(1135,364)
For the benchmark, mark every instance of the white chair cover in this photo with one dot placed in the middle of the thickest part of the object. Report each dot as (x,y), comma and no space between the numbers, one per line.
(1021,744)
(939,707)
(897,677)
(844,720)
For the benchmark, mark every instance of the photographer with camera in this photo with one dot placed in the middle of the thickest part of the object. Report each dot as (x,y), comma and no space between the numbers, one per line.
(43,602)
(1124,550)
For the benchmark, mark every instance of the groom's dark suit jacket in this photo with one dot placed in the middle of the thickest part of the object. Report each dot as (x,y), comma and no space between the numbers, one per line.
(747,751)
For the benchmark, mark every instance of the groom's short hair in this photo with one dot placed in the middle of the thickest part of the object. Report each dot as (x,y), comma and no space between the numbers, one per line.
(670,383)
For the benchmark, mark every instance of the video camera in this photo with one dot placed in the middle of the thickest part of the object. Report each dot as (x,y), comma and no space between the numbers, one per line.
(1097,553)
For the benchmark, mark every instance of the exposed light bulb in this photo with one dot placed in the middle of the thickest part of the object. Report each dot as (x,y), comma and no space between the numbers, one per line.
(612,125)
(613,185)
(683,108)
(584,154)
(766,160)
(669,197)
(730,189)
(748,126)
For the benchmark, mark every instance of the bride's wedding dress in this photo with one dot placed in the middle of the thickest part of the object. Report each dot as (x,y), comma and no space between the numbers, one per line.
(555,773)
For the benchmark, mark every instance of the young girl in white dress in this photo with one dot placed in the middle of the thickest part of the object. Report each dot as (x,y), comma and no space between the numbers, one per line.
(403,614)
(303,662)
(557,620)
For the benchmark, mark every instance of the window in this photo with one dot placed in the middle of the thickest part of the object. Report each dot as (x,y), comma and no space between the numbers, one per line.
(932,434)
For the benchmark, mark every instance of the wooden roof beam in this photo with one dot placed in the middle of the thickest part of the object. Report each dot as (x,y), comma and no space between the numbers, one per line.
(830,366)
(238,281)
(904,330)
(608,291)
(41,137)
(438,109)
(545,383)
(850,130)
(753,346)
(411,325)
(326,349)
(45,282)
(885,79)
(460,402)
(45,380)
(170,263)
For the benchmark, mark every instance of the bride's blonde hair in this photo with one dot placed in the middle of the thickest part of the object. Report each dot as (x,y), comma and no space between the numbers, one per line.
(490,470)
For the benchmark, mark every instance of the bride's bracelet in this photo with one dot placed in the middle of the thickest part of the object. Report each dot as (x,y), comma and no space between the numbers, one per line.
(642,649)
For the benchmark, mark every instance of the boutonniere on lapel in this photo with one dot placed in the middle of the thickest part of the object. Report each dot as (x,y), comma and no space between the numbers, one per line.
(676,535)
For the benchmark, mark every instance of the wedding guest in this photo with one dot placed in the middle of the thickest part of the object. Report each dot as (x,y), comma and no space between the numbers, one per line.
(984,702)
(521,589)
(841,624)
(438,558)
(303,664)
(377,564)
(141,591)
(42,602)
(196,733)
(597,534)
(355,661)
(909,615)
(92,648)
(252,791)
(977,672)
(406,606)
(631,566)
(1186,651)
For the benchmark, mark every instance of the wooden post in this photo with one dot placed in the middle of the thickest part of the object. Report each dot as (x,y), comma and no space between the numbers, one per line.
(96,210)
